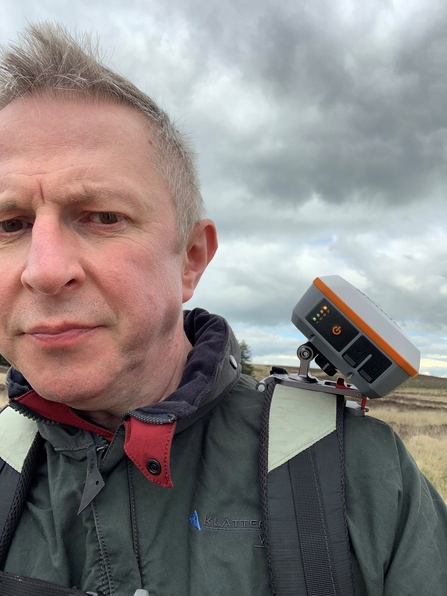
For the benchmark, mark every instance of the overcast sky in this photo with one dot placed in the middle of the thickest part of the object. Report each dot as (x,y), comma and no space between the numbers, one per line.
(321,128)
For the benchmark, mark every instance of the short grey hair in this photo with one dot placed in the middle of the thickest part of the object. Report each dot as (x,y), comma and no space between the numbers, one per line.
(47,59)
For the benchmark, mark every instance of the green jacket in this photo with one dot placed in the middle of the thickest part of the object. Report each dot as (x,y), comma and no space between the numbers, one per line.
(202,535)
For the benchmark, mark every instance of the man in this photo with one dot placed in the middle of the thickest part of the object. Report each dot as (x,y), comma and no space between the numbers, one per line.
(143,471)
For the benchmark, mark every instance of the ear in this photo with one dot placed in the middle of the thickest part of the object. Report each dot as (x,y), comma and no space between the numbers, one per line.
(199,250)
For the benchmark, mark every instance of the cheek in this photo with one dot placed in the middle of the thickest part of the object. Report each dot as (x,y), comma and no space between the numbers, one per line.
(144,287)
(10,292)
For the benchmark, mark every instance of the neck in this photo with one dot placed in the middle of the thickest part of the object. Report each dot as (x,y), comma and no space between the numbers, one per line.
(160,389)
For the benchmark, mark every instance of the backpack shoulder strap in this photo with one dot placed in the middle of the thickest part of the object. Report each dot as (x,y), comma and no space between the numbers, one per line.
(19,442)
(20,446)
(302,493)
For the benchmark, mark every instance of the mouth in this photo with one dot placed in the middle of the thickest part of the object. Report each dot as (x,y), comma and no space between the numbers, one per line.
(59,336)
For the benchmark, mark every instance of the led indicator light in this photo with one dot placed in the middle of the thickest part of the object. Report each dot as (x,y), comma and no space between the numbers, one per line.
(314,318)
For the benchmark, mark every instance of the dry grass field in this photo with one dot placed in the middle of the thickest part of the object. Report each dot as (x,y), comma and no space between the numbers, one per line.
(417,411)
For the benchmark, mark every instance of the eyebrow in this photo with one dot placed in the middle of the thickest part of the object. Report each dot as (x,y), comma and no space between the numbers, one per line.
(8,206)
(101,194)
(104,196)
(83,197)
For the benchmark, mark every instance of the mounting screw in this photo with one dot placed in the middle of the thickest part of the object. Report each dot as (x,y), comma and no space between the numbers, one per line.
(304,353)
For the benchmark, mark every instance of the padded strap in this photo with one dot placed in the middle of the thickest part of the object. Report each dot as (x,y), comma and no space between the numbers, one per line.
(305,530)
(317,477)
(16,585)
(20,447)
(9,479)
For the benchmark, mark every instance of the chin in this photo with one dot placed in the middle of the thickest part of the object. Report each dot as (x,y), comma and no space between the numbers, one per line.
(74,388)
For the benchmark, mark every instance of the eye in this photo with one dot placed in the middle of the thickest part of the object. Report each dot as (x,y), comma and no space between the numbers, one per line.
(12,225)
(106,218)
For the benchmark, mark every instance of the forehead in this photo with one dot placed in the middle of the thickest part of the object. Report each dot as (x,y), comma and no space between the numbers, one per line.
(53,141)
(40,122)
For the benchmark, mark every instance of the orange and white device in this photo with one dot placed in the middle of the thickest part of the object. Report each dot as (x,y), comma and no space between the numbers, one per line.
(355,336)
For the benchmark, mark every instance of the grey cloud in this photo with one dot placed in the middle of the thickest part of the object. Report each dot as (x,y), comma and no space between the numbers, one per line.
(264,296)
(379,112)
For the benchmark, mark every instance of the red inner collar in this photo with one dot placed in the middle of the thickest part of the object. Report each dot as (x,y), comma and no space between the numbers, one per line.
(144,442)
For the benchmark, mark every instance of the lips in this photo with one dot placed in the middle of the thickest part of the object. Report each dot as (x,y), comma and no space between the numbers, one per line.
(56,329)
(58,336)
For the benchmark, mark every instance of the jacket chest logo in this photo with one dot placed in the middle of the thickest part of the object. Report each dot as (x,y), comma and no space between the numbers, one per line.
(223,523)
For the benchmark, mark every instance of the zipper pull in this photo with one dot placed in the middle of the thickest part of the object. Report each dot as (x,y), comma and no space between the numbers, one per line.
(94,482)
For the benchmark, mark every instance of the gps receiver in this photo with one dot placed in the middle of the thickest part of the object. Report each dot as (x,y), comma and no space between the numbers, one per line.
(347,332)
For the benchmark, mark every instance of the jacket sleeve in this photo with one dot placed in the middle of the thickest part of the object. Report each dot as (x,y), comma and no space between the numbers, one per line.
(397,521)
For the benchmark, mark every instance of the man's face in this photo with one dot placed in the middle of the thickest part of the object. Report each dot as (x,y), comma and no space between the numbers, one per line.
(91,284)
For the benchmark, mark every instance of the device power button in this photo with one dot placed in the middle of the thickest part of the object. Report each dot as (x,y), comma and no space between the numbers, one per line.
(336,330)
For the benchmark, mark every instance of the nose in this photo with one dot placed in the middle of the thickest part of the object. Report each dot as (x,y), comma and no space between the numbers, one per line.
(53,265)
